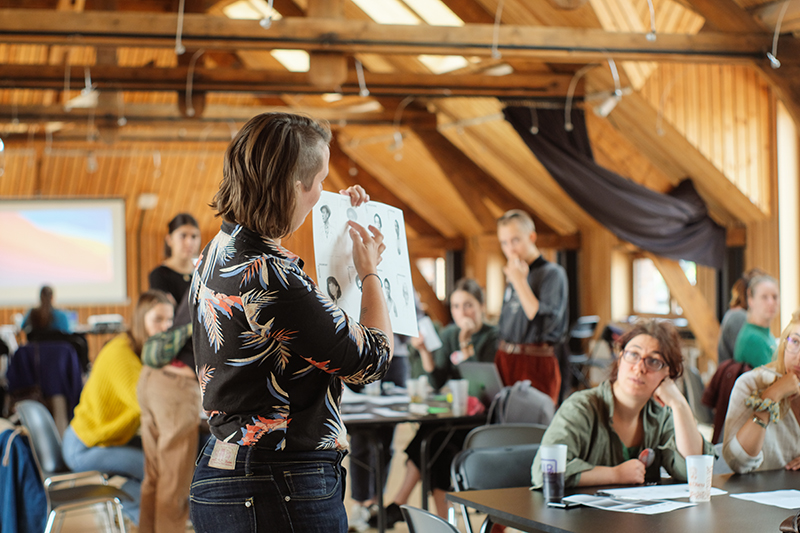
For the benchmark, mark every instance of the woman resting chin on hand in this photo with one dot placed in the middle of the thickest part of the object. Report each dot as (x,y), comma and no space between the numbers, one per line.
(638,408)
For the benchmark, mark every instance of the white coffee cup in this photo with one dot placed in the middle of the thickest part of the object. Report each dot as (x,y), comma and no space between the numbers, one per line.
(459,388)
(554,462)
(699,469)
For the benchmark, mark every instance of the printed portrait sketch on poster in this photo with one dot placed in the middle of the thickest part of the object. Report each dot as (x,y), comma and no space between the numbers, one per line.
(336,272)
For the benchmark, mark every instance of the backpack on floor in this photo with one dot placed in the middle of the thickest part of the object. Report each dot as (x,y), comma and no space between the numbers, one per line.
(521,403)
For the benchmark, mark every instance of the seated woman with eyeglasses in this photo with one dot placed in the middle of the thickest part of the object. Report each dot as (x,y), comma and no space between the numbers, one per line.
(639,408)
(761,428)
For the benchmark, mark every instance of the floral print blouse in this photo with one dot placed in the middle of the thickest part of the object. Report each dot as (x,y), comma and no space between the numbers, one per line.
(271,349)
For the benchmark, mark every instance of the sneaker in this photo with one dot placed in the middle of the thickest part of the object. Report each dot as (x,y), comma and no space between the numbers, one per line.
(359,517)
(393,516)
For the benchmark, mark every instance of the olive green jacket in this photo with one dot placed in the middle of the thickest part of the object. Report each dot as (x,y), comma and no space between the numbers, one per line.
(584,424)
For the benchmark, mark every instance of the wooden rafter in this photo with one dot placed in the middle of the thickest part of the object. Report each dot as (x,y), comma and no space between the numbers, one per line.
(351,37)
(279,82)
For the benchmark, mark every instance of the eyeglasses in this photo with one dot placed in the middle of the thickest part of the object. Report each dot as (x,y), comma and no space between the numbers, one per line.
(792,344)
(650,363)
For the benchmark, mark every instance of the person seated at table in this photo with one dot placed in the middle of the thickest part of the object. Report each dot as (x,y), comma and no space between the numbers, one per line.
(469,337)
(640,407)
(45,317)
(761,428)
(755,344)
(735,317)
(107,415)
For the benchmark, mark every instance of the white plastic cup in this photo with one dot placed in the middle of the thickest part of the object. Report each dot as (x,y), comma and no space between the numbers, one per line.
(554,463)
(459,388)
(699,469)
(412,385)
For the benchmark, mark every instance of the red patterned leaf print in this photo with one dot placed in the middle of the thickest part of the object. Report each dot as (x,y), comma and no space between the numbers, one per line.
(253,432)
(322,365)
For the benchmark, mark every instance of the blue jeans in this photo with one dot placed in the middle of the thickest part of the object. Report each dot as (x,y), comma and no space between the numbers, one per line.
(125,461)
(269,491)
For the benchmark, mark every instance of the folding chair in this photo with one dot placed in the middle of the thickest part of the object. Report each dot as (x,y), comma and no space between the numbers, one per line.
(421,521)
(63,495)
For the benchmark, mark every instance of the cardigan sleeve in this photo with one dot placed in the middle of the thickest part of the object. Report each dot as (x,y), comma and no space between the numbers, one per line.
(738,415)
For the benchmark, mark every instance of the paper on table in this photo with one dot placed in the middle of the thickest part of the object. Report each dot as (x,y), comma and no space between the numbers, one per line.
(428,332)
(387,400)
(647,507)
(356,416)
(654,492)
(388,413)
(785,499)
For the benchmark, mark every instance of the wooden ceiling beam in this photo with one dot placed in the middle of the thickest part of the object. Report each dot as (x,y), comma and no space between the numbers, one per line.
(353,36)
(343,165)
(161,115)
(278,82)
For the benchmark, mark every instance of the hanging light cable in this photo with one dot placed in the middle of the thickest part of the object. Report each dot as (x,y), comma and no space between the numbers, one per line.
(266,22)
(651,36)
(773,56)
(179,48)
(496,30)
(190,81)
(362,84)
(573,83)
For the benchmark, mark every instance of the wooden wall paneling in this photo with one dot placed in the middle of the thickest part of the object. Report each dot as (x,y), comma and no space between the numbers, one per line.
(634,117)
(434,307)
(702,318)
(714,113)
(594,284)
(763,247)
(707,285)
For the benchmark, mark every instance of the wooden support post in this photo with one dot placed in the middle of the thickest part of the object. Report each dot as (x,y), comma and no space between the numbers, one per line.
(327,70)
(702,319)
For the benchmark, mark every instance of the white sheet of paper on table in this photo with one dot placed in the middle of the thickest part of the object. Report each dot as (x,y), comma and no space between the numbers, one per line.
(333,253)
(785,499)
(356,416)
(654,492)
(387,400)
(389,413)
(647,507)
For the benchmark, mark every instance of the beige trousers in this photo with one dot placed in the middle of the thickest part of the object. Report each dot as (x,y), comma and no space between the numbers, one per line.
(170,417)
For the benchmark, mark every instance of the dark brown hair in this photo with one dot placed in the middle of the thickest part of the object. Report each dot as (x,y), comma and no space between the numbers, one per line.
(147,300)
(469,286)
(181,219)
(739,289)
(669,344)
(262,164)
(42,316)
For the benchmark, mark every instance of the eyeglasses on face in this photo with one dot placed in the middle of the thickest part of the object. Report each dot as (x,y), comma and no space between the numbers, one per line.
(792,344)
(650,363)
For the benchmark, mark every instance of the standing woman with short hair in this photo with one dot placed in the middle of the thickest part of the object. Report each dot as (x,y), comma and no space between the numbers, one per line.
(271,348)
(181,246)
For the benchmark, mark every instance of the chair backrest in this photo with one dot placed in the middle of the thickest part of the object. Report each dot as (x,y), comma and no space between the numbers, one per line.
(44,435)
(720,465)
(495,435)
(420,521)
(583,329)
(693,390)
(493,468)
(521,403)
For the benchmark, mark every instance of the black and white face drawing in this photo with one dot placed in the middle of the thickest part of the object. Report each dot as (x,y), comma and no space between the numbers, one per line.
(397,233)
(376,221)
(325,211)
(351,214)
(406,294)
(334,289)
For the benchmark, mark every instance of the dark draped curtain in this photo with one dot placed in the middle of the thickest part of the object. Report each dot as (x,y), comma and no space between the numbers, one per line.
(674,225)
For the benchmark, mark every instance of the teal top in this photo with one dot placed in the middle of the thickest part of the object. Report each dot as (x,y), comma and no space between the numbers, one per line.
(584,423)
(755,345)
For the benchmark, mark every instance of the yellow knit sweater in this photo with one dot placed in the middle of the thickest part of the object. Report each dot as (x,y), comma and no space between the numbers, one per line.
(108,411)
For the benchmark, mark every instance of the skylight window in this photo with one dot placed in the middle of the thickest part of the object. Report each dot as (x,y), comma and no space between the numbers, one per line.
(434,12)
(443,64)
(388,11)
(249,10)
(293,60)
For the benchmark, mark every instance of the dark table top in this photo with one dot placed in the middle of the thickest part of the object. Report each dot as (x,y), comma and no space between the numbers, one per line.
(353,415)
(525,509)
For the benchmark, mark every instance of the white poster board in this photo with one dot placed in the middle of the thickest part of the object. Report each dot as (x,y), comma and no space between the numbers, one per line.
(333,253)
